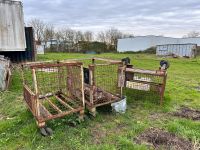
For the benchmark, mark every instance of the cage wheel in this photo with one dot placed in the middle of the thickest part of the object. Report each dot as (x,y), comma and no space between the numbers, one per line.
(43,132)
(49,130)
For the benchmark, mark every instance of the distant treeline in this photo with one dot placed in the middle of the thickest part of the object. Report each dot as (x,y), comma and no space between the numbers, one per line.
(151,50)
(70,40)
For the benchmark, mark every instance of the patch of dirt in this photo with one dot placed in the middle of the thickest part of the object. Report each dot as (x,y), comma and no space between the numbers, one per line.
(159,139)
(98,134)
(156,116)
(189,113)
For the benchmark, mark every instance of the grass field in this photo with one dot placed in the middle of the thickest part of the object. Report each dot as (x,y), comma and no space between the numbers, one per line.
(18,129)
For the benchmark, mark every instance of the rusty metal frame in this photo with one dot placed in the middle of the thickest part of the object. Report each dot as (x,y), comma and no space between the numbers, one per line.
(35,101)
(160,74)
(92,100)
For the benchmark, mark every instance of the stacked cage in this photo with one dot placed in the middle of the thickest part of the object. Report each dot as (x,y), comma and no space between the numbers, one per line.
(53,90)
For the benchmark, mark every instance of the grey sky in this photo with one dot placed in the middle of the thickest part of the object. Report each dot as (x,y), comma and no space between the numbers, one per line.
(140,17)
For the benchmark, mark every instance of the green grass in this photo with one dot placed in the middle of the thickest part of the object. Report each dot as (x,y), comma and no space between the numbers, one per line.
(18,129)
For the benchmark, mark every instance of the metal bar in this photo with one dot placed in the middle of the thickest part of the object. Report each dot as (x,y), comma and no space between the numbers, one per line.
(108,60)
(145,82)
(92,83)
(61,114)
(53,105)
(62,102)
(163,89)
(56,65)
(82,86)
(148,72)
(68,99)
(105,103)
(36,107)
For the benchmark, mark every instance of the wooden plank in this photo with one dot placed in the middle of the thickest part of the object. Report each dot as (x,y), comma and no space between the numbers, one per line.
(53,105)
(62,102)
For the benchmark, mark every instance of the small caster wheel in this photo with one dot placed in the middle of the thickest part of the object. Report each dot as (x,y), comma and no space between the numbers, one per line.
(92,115)
(45,131)
(49,131)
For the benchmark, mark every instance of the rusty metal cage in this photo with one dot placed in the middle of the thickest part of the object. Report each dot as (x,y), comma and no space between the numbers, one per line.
(146,80)
(53,90)
(103,82)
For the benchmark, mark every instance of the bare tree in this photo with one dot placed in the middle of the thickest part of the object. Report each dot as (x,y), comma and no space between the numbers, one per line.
(65,38)
(69,34)
(88,36)
(78,36)
(112,35)
(192,34)
(101,37)
(59,38)
(38,26)
(48,34)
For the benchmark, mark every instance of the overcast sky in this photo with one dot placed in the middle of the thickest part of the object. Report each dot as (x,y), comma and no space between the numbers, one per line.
(140,17)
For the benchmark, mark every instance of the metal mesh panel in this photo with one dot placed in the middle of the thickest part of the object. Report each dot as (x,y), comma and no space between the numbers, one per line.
(65,79)
(27,77)
(106,78)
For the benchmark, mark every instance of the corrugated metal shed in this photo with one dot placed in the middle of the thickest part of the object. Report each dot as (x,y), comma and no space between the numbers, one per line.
(181,50)
(22,56)
(12,34)
(144,42)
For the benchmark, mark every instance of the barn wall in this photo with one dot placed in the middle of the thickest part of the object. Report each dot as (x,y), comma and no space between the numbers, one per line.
(180,50)
(23,56)
(12,34)
(144,42)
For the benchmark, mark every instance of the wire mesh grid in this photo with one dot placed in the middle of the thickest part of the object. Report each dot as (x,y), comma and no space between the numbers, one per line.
(106,78)
(64,79)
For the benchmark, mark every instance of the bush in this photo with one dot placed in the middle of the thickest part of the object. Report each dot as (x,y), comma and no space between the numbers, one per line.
(151,50)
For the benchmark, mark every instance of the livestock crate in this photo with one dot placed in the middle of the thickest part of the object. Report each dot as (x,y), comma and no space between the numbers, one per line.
(53,90)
